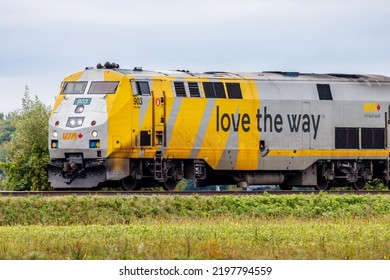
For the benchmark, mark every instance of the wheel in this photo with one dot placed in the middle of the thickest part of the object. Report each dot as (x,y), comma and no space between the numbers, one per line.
(322,184)
(169,185)
(386,183)
(359,185)
(129,184)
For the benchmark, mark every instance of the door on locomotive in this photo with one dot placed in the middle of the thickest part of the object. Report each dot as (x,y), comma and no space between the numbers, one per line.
(158,115)
(148,132)
(149,115)
(387,128)
(141,132)
(386,172)
(142,115)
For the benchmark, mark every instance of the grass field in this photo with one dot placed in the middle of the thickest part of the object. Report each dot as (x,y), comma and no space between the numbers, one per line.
(223,227)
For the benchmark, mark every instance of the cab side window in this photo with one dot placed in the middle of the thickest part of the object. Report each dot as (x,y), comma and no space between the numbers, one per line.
(142,88)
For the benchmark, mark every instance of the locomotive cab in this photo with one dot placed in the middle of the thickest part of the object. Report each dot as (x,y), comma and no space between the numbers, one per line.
(78,128)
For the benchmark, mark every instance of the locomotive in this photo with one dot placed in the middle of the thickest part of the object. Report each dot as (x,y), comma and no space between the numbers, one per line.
(146,128)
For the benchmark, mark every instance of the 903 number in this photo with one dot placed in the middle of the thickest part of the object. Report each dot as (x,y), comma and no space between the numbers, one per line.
(137,101)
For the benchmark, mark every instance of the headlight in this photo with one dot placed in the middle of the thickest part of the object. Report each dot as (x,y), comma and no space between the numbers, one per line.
(55,134)
(79,109)
(75,121)
(94,133)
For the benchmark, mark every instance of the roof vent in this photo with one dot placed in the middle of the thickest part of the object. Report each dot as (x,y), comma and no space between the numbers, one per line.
(107,65)
(137,68)
(290,74)
(286,74)
(347,76)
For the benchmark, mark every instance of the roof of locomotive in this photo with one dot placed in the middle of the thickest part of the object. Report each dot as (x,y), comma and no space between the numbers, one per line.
(138,72)
(262,76)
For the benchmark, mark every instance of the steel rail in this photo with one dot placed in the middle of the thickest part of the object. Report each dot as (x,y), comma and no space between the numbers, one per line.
(183,193)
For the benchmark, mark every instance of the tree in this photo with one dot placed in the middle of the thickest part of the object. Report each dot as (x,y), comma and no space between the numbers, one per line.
(27,152)
(6,127)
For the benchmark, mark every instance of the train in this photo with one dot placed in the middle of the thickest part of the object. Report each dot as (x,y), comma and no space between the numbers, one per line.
(143,128)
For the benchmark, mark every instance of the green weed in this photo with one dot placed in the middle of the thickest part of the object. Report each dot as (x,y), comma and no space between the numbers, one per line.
(229,238)
(220,227)
(88,210)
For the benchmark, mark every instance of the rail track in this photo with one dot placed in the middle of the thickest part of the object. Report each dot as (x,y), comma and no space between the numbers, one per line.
(181,193)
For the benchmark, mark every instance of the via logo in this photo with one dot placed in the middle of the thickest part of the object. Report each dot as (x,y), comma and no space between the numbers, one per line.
(69,136)
(371,107)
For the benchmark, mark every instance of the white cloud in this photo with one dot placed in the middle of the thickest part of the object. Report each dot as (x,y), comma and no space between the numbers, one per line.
(44,40)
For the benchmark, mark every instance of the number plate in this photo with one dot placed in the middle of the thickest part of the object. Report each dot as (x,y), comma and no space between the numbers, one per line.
(82,101)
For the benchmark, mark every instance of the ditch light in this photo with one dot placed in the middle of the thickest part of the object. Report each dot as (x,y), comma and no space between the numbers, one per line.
(94,144)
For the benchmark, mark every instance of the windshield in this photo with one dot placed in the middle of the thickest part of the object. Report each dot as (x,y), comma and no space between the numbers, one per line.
(103,88)
(74,87)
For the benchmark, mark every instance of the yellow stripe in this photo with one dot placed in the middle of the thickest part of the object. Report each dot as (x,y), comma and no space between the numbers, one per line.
(184,131)
(328,153)
(248,152)
(118,108)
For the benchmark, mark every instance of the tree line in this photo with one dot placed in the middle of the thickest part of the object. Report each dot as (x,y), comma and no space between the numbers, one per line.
(24,151)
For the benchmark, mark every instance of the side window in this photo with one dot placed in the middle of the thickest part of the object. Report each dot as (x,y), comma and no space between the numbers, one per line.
(208,90)
(234,90)
(324,92)
(142,88)
(214,90)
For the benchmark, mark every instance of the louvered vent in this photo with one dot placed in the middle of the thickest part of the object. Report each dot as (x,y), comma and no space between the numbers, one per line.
(180,90)
(194,89)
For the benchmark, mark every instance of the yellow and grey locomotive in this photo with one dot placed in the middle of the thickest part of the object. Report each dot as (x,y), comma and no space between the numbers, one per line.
(147,128)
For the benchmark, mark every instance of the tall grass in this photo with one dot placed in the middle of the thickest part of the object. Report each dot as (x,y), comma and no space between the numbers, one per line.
(205,239)
(220,227)
(72,210)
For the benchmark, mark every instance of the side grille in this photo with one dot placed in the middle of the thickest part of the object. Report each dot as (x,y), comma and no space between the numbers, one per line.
(180,90)
(194,89)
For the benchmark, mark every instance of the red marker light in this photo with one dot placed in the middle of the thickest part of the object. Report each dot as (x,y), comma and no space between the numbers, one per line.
(57,123)
(93,123)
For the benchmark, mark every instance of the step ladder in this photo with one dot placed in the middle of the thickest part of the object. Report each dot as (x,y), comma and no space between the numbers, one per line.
(158,169)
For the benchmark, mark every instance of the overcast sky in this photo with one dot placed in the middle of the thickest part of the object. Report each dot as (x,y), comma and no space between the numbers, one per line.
(42,41)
